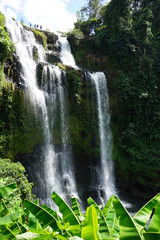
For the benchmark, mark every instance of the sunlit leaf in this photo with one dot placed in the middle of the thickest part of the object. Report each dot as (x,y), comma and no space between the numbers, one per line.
(143,215)
(68,214)
(90,231)
(128,230)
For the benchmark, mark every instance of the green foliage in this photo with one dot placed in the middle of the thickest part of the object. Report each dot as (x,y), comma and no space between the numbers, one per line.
(113,222)
(2,19)
(6,45)
(41,37)
(61,66)
(15,172)
(76,33)
(92,13)
(127,34)
(20,129)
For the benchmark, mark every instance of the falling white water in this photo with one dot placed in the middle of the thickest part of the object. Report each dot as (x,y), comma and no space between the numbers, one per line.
(65,174)
(56,169)
(66,55)
(25,43)
(106,172)
(48,176)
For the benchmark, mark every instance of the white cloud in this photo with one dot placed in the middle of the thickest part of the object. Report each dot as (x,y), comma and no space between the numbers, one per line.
(15,4)
(50,14)
(10,13)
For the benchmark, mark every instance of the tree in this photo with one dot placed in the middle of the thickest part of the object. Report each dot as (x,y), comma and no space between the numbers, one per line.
(91,12)
(93,8)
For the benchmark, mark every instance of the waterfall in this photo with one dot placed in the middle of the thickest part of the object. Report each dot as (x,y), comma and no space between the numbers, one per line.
(66,55)
(53,168)
(106,177)
(103,176)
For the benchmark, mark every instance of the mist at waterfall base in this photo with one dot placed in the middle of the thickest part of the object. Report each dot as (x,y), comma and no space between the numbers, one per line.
(53,166)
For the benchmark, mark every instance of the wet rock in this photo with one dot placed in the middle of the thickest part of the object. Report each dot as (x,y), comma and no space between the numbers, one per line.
(52,57)
(12,69)
(35,53)
(51,37)
(39,72)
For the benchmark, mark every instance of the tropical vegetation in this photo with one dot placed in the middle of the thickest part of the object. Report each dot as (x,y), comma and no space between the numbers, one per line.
(29,220)
(123,40)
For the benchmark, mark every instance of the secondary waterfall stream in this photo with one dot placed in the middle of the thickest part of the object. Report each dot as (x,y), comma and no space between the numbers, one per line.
(106,168)
(53,168)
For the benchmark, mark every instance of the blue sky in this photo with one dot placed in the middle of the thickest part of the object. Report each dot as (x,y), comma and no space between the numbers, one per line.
(51,14)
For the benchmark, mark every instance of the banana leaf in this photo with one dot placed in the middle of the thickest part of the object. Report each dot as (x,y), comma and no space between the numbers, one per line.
(68,214)
(44,217)
(27,236)
(53,213)
(5,231)
(36,201)
(76,209)
(143,215)
(75,238)
(3,237)
(40,235)
(103,225)
(90,231)
(13,230)
(7,190)
(154,225)
(151,236)
(113,223)
(128,229)
(3,208)
(11,218)
(33,223)
(108,206)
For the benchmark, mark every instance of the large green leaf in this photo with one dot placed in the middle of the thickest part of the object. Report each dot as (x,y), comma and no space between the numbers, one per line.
(13,230)
(68,214)
(151,236)
(53,213)
(128,230)
(113,223)
(76,209)
(90,231)
(108,222)
(27,235)
(44,217)
(3,208)
(75,238)
(103,226)
(11,218)
(5,231)
(7,190)
(3,237)
(33,223)
(154,225)
(143,215)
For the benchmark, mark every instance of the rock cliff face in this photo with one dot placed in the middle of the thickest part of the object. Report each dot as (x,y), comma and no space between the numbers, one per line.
(135,174)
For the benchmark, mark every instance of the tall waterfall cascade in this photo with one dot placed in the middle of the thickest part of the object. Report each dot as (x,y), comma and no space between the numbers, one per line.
(106,168)
(53,168)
